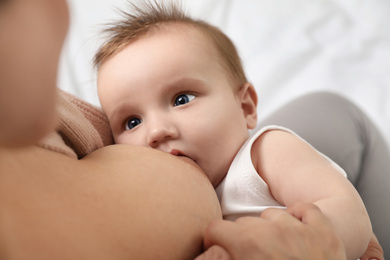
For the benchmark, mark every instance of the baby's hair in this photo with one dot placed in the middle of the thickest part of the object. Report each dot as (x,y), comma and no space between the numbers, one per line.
(152,16)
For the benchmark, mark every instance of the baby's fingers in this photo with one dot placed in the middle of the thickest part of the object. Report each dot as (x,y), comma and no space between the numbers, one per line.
(374,250)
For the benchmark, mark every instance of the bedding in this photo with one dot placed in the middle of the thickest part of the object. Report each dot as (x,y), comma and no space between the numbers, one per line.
(288,48)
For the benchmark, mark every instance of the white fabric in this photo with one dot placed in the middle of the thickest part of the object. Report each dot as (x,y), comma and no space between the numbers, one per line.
(288,47)
(243,192)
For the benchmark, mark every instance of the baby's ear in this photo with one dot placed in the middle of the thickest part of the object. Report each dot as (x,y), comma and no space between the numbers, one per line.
(248,98)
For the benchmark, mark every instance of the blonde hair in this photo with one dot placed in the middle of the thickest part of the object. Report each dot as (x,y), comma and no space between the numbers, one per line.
(151,17)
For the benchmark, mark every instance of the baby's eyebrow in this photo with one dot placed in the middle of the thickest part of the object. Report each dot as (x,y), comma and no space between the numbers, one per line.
(118,113)
(187,82)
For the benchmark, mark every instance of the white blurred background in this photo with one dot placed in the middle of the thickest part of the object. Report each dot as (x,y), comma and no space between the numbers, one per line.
(288,47)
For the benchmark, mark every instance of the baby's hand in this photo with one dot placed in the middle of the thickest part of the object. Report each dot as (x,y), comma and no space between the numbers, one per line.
(374,250)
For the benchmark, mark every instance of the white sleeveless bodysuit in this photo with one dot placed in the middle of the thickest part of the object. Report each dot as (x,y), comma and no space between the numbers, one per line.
(243,192)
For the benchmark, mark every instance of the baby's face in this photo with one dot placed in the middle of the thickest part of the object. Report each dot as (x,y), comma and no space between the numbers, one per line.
(168,91)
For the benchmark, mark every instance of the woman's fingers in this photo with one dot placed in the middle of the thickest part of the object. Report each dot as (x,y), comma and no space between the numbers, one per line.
(308,213)
(215,253)
(301,232)
(242,239)
(221,232)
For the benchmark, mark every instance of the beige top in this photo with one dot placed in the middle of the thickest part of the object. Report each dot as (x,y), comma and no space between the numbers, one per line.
(82,128)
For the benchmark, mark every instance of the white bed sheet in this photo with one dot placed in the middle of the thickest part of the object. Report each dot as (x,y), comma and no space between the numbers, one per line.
(288,48)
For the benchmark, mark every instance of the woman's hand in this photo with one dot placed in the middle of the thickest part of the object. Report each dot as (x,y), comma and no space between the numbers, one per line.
(300,232)
(215,252)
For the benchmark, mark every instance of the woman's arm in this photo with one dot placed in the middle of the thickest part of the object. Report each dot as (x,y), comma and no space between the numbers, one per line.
(296,173)
(119,202)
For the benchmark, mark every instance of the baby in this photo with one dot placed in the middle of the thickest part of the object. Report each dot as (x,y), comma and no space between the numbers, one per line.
(176,84)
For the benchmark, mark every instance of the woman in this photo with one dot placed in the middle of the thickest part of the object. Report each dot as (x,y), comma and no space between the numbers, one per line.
(117,202)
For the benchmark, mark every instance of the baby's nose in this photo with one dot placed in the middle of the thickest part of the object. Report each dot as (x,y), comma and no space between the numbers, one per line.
(160,132)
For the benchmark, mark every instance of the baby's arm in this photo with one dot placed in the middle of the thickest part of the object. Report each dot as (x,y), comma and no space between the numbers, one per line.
(295,172)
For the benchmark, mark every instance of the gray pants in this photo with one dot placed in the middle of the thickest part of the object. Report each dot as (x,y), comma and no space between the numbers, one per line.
(340,130)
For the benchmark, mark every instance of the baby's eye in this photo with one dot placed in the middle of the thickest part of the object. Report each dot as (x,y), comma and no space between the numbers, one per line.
(183,99)
(133,122)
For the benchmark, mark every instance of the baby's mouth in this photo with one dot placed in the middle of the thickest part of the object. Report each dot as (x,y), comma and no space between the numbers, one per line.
(181,154)
(177,152)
